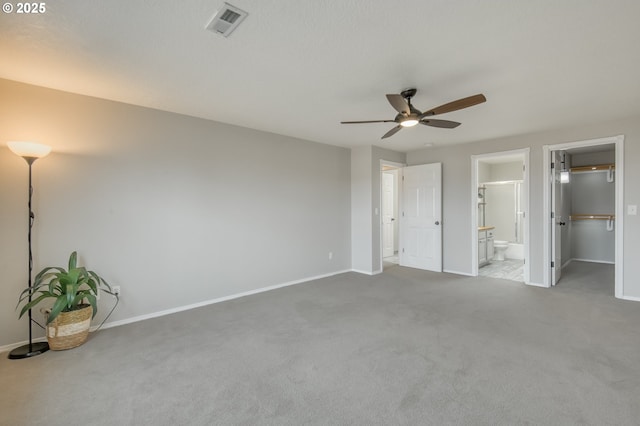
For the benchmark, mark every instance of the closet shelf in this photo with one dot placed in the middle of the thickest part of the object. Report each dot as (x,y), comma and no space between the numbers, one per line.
(596,167)
(592,217)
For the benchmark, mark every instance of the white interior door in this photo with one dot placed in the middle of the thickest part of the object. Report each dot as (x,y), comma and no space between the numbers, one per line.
(388,234)
(556,219)
(420,224)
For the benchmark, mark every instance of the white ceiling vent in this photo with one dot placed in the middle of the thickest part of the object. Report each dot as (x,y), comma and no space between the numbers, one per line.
(226,20)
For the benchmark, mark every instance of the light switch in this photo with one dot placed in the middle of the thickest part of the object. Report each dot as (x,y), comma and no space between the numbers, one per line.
(632,209)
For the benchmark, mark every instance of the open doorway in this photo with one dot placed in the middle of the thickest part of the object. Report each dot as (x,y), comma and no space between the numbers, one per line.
(584,204)
(390,176)
(500,204)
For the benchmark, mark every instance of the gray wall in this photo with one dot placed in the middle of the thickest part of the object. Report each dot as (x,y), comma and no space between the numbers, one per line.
(506,171)
(365,199)
(176,210)
(361,210)
(456,192)
(592,194)
(593,158)
(484,172)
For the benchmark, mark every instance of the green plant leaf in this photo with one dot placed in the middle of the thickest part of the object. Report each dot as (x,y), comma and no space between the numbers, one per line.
(79,299)
(73,276)
(31,304)
(25,293)
(94,304)
(57,307)
(92,285)
(69,294)
(73,260)
(53,283)
(99,280)
(46,271)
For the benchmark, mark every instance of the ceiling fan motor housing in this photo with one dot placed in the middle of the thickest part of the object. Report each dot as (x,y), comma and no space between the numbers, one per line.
(408,93)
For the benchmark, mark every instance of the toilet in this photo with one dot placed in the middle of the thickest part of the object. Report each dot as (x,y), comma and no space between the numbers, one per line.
(499,248)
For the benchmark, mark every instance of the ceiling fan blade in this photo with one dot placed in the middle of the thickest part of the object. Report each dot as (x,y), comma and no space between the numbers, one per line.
(369,121)
(445,124)
(400,105)
(392,131)
(455,105)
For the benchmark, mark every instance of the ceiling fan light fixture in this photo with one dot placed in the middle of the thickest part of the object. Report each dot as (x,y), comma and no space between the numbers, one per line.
(408,116)
(409,122)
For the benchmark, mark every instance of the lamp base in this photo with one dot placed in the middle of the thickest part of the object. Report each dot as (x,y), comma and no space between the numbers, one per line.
(27,351)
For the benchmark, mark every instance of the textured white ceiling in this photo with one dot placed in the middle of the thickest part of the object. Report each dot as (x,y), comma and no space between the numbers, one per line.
(298,68)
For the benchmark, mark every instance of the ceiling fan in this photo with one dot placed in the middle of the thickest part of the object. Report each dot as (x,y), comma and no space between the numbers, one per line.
(409,116)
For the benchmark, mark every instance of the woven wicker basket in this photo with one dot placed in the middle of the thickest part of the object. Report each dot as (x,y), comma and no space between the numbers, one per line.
(69,329)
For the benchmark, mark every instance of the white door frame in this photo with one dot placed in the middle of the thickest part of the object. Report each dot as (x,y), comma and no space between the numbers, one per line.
(474,207)
(618,141)
(398,166)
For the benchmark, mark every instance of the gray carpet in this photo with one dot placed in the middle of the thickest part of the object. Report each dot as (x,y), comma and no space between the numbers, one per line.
(588,277)
(406,347)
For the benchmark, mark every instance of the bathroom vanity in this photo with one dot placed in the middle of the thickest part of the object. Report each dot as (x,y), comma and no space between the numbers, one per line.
(485,244)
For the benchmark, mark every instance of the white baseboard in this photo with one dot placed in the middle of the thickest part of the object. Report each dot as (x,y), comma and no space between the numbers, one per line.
(12,346)
(537,284)
(449,271)
(217,300)
(363,272)
(632,298)
(188,307)
(565,264)
(594,261)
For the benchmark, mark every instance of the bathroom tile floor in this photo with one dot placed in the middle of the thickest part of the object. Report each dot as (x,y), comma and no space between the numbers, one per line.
(390,261)
(508,269)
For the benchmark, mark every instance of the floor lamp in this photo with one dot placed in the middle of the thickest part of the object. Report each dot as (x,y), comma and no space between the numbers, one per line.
(30,151)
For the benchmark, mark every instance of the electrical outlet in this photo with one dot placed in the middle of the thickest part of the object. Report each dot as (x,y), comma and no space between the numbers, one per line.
(330,255)
(116,290)
(632,209)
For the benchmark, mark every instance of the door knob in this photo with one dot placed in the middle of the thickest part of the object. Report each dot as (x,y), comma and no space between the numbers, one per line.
(437,222)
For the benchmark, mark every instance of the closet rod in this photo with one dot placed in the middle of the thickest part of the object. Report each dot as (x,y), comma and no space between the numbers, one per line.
(595,167)
(592,217)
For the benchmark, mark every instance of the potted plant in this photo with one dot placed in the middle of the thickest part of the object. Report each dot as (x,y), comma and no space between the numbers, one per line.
(74,292)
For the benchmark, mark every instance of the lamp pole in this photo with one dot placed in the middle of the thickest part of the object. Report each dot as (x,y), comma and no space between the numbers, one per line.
(30,152)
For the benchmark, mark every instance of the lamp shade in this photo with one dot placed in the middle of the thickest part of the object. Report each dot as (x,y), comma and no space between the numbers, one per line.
(29,149)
